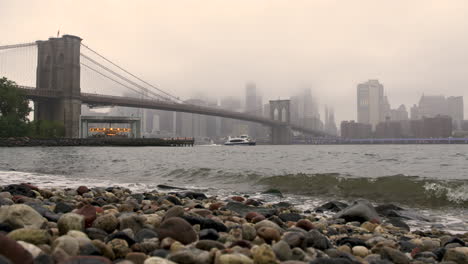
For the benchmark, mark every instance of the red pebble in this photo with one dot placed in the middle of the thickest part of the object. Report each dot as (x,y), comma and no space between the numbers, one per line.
(89,213)
(238,199)
(305,224)
(251,215)
(82,189)
(258,219)
(215,206)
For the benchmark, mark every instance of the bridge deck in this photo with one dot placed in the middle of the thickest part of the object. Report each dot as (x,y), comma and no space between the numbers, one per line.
(107,100)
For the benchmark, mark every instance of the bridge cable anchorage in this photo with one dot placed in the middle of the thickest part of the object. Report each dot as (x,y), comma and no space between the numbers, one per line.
(110,78)
(14,46)
(138,78)
(125,79)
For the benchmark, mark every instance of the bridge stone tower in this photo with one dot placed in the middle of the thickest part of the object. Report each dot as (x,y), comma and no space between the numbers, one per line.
(279,110)
(58,69)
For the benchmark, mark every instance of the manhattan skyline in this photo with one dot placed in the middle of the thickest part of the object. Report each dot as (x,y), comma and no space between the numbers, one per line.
(215,47)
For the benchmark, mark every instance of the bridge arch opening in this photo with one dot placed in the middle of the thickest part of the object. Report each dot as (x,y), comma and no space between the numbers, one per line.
(283,115)
(276,115)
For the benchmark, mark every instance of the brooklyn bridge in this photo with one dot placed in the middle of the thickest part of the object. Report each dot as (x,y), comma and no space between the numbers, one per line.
(61,74)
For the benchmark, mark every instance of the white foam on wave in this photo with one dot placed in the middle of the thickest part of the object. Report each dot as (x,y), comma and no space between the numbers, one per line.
(61,181)
(457,194)
(453,222)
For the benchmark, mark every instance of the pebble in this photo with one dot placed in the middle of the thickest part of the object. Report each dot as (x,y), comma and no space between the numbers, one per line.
(114,225)
(178,229)
(70,221)
(30,235)
(106,222)
(21,216)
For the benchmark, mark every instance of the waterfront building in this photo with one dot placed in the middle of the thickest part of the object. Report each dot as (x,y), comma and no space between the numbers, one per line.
(464,125)
(389,129)
(399,114)
(432,105)
(353,130)
(432,127)
(415,113)
(371,103)
(455,110)
(329,124)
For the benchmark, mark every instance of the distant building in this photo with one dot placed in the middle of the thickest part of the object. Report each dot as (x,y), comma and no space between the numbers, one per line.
(303,106)
(465,125)
(353,130)
(415,113)
(167,123)
(432,106)
(455,110)
(329,124)
(192,125)
(253,106)
(371,103)
(432,127)
(229,127)
(389,129)
(399,114)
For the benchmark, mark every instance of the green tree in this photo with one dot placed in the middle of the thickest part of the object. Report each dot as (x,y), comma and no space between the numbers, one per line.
(46,129)
(14,110)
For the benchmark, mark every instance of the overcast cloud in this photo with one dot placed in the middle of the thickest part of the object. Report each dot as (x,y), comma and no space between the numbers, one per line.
(216,46)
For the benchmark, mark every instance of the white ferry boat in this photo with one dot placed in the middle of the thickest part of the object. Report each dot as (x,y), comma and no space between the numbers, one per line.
(242,140)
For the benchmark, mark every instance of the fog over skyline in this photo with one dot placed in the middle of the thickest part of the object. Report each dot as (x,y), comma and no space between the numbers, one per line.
(216,47)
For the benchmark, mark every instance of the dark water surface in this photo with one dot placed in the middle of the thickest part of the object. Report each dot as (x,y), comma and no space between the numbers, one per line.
(430,178)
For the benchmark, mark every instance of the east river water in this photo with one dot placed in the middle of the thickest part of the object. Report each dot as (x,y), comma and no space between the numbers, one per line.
(430,180)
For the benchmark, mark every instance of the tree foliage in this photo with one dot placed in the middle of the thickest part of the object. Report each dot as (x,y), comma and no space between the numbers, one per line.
(14,110)
(46,129)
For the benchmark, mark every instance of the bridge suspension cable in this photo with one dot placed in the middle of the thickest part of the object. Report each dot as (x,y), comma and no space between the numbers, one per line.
(112,79)
(168,95)
(18,63)
(21,45)
(141,88)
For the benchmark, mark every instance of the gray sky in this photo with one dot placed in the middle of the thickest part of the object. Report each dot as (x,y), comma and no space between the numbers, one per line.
(216,46)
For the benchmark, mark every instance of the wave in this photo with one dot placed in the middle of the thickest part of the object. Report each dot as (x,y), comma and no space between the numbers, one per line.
(406,190)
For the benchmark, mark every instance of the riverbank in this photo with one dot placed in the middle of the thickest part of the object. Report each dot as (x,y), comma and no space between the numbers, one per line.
(171,225)
(67,142)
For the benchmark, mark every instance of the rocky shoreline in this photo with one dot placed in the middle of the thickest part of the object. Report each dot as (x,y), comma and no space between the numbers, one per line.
(114,225)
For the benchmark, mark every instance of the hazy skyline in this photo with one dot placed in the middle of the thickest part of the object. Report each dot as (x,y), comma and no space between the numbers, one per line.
(216,47)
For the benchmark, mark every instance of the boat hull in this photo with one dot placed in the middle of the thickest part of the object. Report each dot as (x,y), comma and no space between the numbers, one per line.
(240,144)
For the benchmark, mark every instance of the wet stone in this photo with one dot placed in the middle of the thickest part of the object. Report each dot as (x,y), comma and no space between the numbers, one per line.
(209,244)
(145,233)
(70,221)
(61,207)
(209,233)
(293,217)
(178,229)
(121,235)
(96,233)
(106,222)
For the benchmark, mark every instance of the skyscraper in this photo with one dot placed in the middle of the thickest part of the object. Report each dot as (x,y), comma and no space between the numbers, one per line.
(370,102)
(455,110)
(253,106)
(330,125)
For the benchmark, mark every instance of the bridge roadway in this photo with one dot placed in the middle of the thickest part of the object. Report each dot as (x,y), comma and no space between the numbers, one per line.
(108,100)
